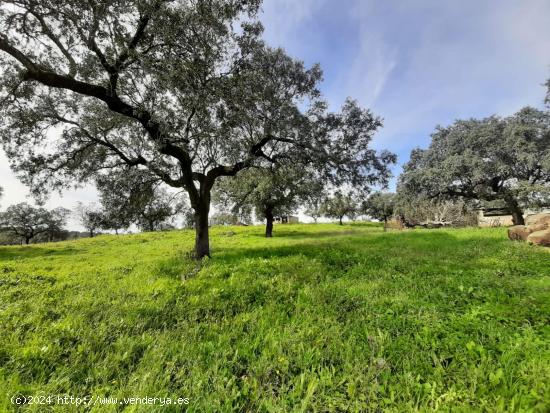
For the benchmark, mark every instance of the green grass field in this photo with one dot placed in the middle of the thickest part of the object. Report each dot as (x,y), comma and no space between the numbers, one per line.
(320,318)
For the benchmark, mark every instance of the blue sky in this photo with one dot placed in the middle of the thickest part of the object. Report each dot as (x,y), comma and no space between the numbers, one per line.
(420,63)
(416,63)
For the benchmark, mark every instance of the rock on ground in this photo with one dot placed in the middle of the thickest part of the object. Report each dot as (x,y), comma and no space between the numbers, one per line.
(542,218)
(537,230)
(518,233)
(540,238)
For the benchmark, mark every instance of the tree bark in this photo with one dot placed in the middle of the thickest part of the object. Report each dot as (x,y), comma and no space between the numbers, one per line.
(202,241)
(341,223)
(385,224)
(269,222)
(27,240)
(517,213)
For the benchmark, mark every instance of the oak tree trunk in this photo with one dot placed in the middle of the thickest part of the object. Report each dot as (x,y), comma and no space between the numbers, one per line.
(202,242)
(269,222)
(517,213)
(341,223)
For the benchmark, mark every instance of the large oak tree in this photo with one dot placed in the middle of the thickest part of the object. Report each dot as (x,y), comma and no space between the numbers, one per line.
(505,159)
(186,90)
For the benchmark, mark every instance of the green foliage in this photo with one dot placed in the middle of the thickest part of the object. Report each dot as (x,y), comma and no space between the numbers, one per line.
(490,159)
(340,205)
(91,217)
(136,197)
(23,222)
(380,205)
(321,318)
(188,91)
(277,190)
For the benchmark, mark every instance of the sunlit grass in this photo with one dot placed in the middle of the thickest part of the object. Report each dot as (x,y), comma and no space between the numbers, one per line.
(319,318)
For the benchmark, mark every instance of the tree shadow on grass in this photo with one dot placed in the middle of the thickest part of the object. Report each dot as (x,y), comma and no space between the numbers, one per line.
(404,252)
(359,244)
(32,251)
(347,230)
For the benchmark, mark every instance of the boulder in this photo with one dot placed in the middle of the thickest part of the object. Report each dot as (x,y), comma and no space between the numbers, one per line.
(540,238)
(518,233)
(542,218)
(539,226)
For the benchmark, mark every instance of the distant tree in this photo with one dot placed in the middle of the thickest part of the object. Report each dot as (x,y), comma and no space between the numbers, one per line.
(157,212)
(117,200)
(340,205)
(56,222)
(224,218)
(380,205)
(91,217)
(314,203)
(24,221)
(272,192)
(188,218)
(485,160)
(112,221)
(135,196)
(314,199)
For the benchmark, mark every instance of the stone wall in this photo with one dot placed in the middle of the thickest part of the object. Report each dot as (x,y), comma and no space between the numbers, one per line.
(494,221)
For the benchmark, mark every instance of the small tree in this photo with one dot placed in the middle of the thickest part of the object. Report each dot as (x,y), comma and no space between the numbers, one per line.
(25,221)
(340,205)
(157,212)
(56,221)
(272,192)
(380,205)
(91,218)
(117,214)
(314,200)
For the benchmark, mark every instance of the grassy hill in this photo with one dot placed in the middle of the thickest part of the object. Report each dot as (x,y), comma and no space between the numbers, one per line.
(320,318)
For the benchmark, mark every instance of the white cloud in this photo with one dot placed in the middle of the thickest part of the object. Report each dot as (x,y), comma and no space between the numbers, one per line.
(454,60)
(281,18)
(417,63)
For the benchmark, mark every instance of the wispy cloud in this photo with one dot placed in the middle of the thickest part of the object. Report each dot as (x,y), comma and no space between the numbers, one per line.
(416,63)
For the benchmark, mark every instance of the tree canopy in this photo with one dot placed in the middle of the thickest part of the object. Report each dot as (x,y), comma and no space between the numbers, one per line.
(341,204)
(490,159)
(380,205)
(27,222)
(134,197)
(187,91)
(275,191)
